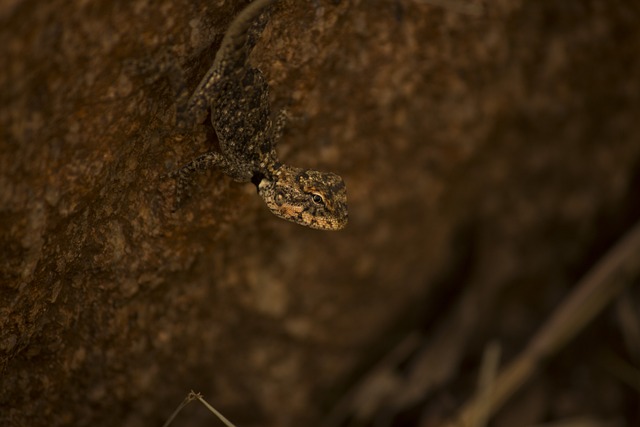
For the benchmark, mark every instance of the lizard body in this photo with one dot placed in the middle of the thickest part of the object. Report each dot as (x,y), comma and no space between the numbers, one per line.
(238,98)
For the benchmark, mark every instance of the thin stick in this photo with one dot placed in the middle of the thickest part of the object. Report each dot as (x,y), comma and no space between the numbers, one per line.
(190,397)
(617,269)
(197,396)
(486,381)
(212,409)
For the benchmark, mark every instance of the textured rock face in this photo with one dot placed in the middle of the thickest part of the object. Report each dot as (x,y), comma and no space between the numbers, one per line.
(512,129)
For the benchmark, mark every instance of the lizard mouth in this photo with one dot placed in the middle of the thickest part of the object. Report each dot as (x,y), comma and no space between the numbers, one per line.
(257,179)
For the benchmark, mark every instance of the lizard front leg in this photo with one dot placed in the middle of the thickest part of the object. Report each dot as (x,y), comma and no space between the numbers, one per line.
(209,160)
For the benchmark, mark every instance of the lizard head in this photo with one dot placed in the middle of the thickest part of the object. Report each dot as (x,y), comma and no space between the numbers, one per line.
(307,197)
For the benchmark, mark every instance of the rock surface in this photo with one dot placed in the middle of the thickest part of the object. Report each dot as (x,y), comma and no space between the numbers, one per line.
(484,145)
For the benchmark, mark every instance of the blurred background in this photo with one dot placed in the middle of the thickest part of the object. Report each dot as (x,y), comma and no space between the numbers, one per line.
(491,152)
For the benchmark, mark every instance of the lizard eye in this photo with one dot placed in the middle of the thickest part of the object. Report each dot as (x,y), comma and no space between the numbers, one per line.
(317,199)
(279,198)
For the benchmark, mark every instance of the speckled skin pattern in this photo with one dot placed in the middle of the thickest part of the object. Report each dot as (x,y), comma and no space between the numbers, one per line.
(238,97)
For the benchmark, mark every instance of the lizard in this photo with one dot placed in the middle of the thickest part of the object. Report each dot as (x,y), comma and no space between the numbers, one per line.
(237,96)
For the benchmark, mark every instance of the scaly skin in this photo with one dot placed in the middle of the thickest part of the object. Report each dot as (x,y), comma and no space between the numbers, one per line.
(238,97)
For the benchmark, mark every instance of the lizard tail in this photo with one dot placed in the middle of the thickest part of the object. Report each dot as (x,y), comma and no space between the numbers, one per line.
(241,36)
